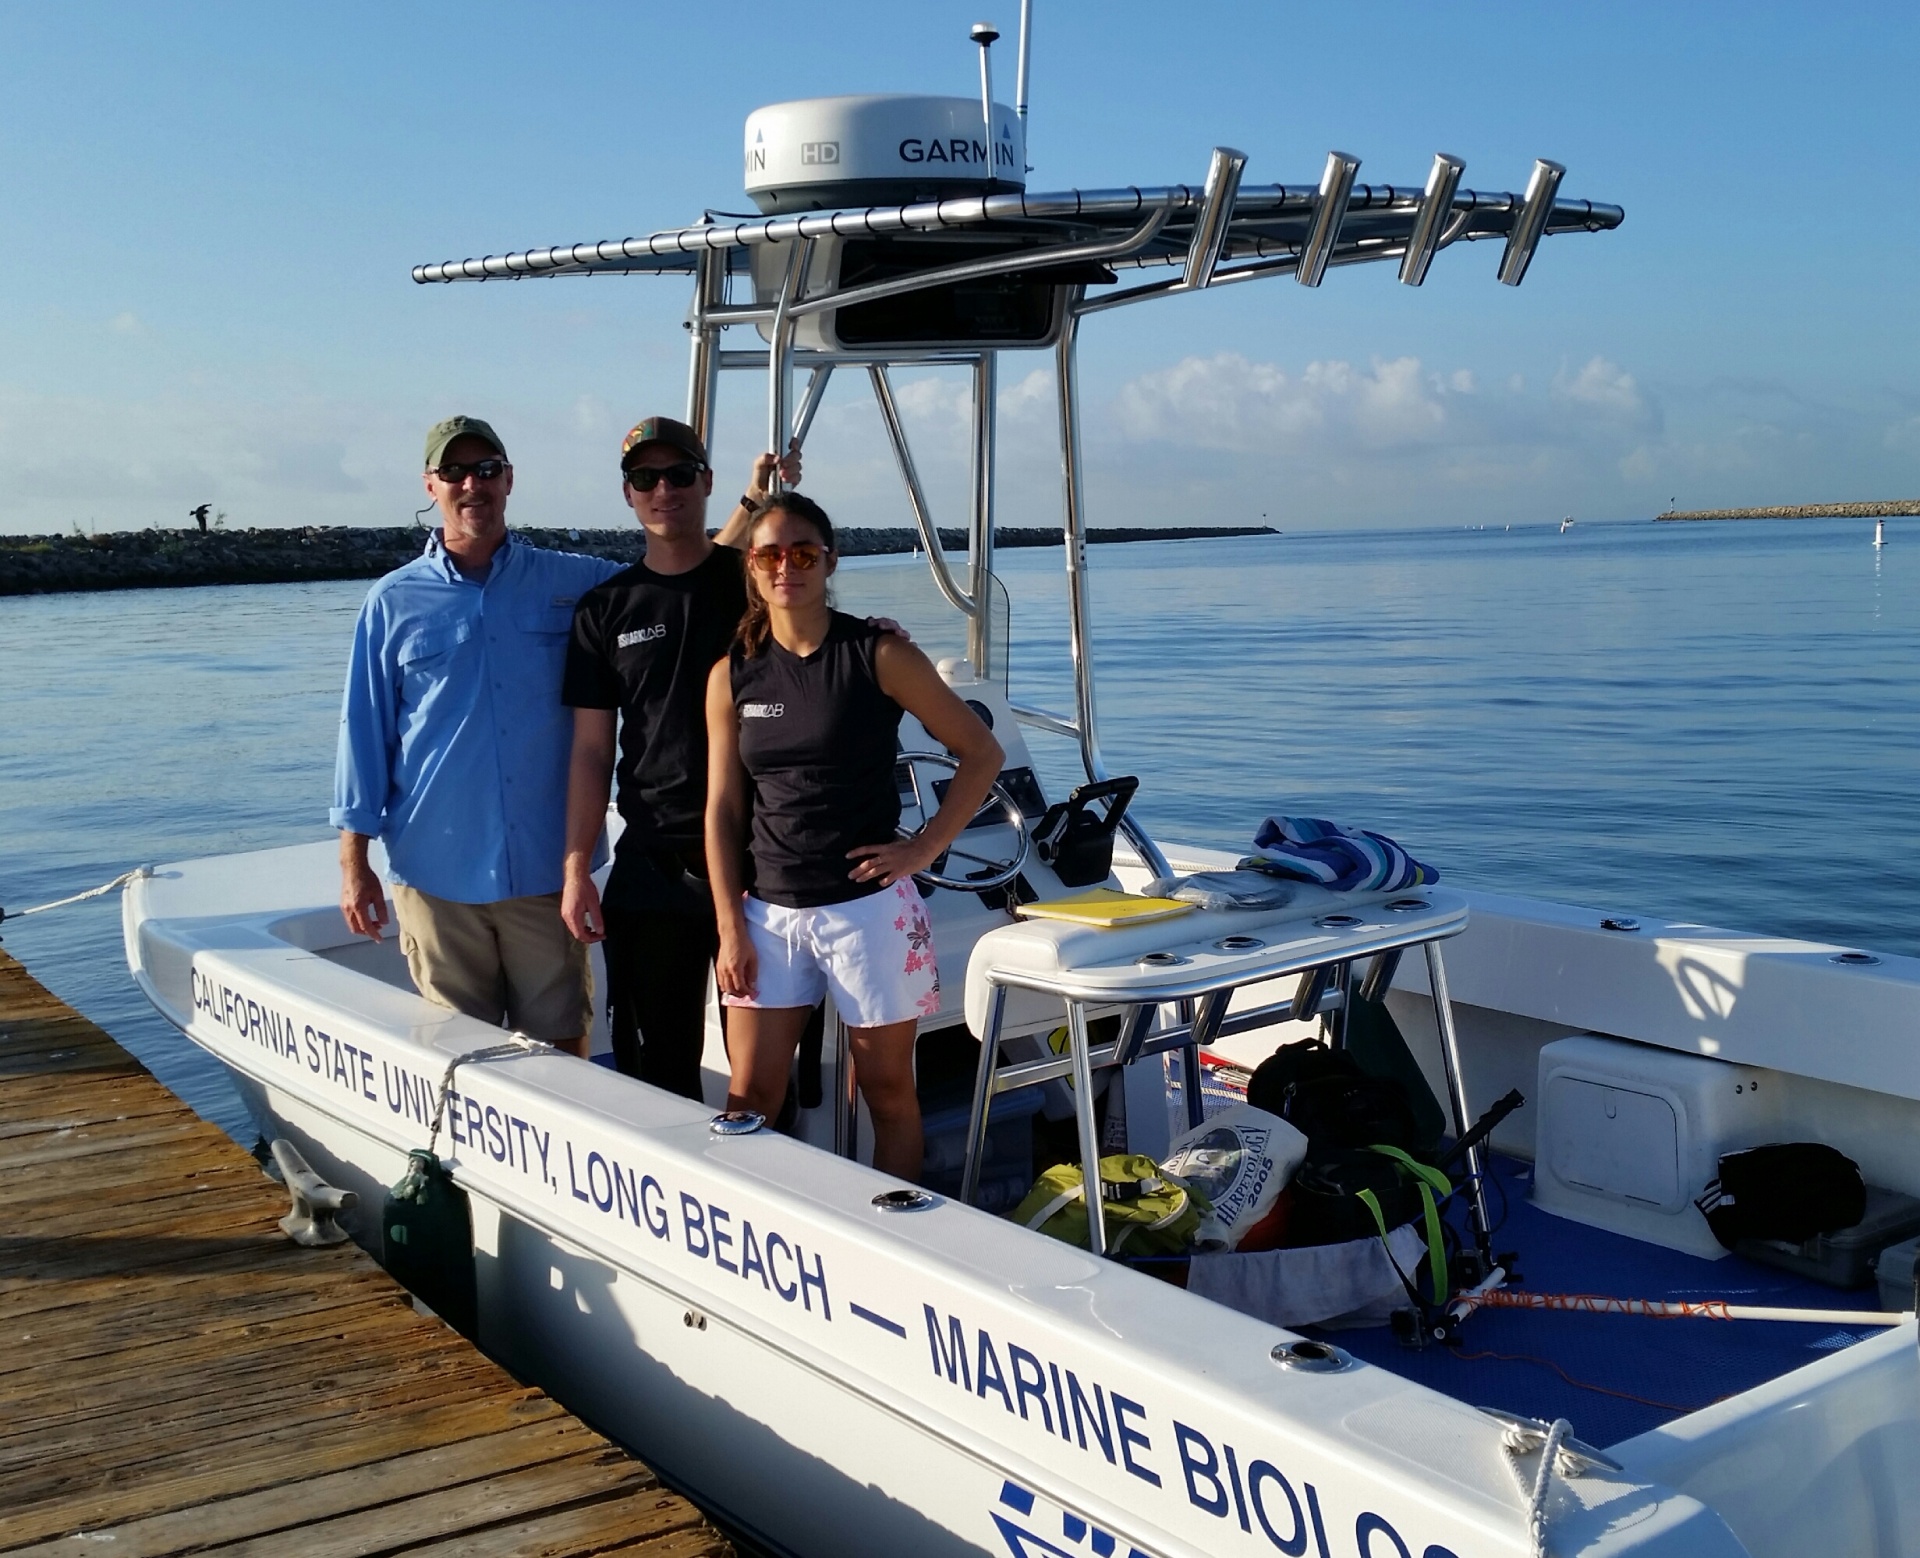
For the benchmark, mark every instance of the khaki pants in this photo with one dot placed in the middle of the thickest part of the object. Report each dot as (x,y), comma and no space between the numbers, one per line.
(511,963)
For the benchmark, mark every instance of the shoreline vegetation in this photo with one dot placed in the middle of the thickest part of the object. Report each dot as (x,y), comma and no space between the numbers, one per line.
(155,559)
(1888,510)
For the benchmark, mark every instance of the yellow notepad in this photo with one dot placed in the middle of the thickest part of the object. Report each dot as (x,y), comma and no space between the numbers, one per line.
(1104,907)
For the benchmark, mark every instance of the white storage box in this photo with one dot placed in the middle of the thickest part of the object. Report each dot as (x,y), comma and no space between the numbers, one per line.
(1629,1134)
(1895,1268)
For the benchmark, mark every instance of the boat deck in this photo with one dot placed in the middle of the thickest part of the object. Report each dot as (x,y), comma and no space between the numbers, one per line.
(1613,1376)
(176,1376)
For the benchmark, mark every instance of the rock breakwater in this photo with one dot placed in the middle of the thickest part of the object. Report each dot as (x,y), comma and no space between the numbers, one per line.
(149,559)
(1887,510)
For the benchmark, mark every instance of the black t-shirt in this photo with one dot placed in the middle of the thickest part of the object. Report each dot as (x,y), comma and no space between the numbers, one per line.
(818,738)
(643,643)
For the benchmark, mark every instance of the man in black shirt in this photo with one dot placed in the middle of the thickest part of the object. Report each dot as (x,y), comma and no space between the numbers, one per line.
(643,643)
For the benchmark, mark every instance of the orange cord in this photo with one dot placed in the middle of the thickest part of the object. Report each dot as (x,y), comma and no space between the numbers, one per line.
(1578,1384)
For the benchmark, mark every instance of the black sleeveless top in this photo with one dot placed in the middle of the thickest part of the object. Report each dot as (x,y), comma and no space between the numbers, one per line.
(818,738)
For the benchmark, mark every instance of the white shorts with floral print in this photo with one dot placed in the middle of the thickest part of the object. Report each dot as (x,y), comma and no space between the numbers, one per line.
(874,953)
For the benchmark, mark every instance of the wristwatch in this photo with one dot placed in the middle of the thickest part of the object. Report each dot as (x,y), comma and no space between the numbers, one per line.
(752,504)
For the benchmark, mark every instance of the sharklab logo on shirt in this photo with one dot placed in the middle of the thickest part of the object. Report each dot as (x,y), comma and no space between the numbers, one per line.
(762,710)
(642,636)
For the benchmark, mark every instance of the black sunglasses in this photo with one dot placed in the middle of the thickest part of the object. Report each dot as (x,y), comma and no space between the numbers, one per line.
(644,478)
(458,471)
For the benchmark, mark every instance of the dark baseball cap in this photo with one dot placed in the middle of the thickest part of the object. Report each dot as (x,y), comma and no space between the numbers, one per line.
(443,433)
(662,430)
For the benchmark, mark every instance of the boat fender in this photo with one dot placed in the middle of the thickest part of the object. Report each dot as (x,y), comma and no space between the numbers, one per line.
(426,1238)
(426,1224)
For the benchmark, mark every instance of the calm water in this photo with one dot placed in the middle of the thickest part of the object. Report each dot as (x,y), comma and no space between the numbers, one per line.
(1715,721)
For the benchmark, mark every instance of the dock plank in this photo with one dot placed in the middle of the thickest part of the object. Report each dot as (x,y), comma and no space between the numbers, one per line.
(585,1478)
(294,1505)
(91,1502)
(176,1377)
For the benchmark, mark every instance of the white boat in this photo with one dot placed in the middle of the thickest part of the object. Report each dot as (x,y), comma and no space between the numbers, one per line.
(837,1364)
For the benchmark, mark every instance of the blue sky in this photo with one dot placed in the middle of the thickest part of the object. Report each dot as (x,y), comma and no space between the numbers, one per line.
(211,212)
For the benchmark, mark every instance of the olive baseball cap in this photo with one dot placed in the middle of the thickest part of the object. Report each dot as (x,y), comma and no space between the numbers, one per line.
(662,430)
(443,433)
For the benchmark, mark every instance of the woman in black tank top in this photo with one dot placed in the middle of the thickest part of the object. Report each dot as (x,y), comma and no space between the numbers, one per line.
(803,720)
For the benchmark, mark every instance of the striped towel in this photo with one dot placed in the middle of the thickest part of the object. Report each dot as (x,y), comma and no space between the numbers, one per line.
(1311,849)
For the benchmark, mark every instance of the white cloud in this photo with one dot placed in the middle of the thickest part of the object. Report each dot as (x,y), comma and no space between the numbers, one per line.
(944,398)
(1604,389)
(267,464)
(1227,402)
(1202,439)
(1331,410)
(1032,395)
(594,417)
(1904,434)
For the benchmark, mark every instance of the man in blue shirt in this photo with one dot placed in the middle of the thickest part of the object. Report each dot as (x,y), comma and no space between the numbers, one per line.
(453,751)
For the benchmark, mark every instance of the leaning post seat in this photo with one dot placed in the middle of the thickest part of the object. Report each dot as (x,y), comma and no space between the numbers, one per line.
(1201,957)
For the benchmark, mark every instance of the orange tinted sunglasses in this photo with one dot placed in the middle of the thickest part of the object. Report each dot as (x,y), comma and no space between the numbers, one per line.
(800,556)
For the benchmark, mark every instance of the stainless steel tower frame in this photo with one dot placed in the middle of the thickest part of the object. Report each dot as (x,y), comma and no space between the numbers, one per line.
(1220,232)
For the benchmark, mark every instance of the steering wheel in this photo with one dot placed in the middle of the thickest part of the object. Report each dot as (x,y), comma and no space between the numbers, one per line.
(998,872)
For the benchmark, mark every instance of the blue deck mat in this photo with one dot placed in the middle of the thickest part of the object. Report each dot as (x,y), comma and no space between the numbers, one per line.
(1528,1360)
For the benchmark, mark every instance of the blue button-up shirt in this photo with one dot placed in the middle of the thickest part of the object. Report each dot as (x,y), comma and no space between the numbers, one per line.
(453,741)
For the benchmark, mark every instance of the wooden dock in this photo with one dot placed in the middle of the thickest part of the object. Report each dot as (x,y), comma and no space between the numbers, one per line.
(177,1377)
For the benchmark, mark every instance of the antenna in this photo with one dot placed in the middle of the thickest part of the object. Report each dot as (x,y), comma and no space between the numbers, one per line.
(1020,75)
(986,35)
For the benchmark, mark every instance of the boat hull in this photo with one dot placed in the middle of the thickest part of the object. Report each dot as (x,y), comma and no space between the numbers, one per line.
(830,1377)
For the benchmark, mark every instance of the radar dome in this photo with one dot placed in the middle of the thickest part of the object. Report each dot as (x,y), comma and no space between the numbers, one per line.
(828,153)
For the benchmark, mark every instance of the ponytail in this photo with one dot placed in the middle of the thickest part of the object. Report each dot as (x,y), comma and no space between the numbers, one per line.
(756,627)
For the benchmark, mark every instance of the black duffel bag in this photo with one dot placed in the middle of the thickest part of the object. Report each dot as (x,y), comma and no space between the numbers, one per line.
(1340,1196)
(1325,1096)
(1327,1208)
(1792,1191)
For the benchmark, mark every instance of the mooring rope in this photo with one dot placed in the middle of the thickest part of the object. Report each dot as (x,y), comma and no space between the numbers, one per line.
(1542,1485)
(1556,1445)
(518,1044)
(1678,1309)
(138,873)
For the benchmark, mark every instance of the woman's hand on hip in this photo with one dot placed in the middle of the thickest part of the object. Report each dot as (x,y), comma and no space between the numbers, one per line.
(891,862)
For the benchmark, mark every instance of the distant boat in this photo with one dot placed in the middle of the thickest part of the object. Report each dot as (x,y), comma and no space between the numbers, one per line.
(1566,524)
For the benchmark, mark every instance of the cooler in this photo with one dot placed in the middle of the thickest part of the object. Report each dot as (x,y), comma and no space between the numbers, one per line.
(1629,1134)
